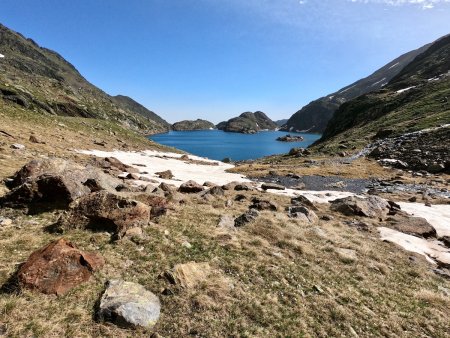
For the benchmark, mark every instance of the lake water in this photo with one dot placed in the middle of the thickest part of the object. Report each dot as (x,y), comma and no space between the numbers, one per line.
(217,144)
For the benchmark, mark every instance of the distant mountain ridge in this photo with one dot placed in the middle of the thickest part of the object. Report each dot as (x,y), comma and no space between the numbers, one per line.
(248,123)
(315,116)
(40,79)
(198,124)
(415,99)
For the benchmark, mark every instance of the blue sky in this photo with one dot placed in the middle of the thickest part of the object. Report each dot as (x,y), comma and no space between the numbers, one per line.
(214,59)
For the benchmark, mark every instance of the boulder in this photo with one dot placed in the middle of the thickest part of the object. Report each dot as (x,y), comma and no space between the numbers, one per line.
(411,225)
(246,218)
(302,213)
(105,211)
(230,185)
(372,207)
(116,164)
(191,187)
(129,305)
(267,186)
(54,184)
(57,268)
(166,175)
(260,204)
(243,187)
(302,200)
(216,191)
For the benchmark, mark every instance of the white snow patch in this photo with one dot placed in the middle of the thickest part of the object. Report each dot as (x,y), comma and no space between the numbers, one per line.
(314,196)
(405,89)
(2,56)
(374,84)
(395,65)
(437,215)
(430,249)
(343,91)
(154,161)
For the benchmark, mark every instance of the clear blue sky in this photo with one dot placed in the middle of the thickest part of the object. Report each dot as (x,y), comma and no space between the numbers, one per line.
(214,59)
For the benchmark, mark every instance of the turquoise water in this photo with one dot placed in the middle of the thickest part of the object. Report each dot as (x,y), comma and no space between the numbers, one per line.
(217,144)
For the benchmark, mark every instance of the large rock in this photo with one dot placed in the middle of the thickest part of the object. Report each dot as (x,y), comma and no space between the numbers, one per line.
(303,213)
(191,187)
(106,211)
(129,305)
(411,225)
(54,184)
(246,217)
(58,267)
(166,175)
(302,200)
(267,186)
(372,207)
(260,204)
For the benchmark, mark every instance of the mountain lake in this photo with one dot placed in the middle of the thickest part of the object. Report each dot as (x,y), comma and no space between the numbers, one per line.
(217,144)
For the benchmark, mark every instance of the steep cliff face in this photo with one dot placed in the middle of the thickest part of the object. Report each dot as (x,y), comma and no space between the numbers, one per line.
(41,80)
(315,116)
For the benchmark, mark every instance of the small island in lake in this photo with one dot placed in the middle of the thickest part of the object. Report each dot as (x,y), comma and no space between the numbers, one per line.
(198,124)
(290,138)
(248,123)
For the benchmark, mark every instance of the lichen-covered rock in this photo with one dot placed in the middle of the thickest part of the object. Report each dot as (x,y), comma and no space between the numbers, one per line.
(106,211)
(129,305)
(260,204)
(166,175)
(274,186)
(58,267)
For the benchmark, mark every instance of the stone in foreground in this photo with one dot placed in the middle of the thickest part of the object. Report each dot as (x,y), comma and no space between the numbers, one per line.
(57,268)
(129,305)
(274,186)
(246,218)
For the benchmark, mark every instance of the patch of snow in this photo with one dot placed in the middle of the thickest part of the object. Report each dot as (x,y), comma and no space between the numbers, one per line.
(323,197)
(155,161)
(343,91)
(330,97)
(405,89)
(430,249)
(437,215)
(1,56)
(395,65)
(374,84)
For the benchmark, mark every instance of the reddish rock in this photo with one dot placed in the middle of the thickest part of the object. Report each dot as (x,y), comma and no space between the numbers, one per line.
(191,187)
(58,267)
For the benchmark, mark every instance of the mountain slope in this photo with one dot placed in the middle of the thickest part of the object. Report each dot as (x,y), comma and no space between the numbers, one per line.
(248,123)
(41,80)
(415,99)
(315,116)
(128,103)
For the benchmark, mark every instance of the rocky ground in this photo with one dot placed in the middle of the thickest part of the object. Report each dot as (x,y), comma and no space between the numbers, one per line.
(85,238)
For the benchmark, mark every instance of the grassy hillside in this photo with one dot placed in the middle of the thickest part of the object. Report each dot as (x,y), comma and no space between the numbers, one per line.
(315,116)
(416,99)
(42,81)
